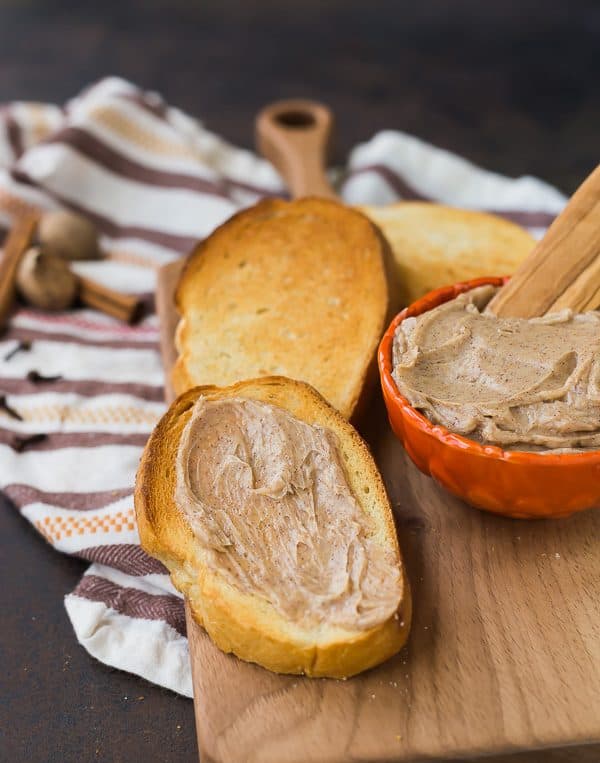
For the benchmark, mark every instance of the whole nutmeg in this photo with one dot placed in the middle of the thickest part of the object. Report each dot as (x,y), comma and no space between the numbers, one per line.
(46,281)
(68,235)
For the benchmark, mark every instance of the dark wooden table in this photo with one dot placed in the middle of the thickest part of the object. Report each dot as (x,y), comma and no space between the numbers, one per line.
(512,85)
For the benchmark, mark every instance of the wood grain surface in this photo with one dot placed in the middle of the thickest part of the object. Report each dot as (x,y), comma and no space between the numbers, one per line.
(503,658)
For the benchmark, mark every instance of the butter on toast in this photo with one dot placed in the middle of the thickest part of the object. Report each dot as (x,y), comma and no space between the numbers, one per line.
(239,617)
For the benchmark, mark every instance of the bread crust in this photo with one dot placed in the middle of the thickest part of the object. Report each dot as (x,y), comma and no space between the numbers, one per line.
(239,622)
(300,289)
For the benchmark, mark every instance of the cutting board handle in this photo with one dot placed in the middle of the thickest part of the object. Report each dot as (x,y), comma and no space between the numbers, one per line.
(294,136)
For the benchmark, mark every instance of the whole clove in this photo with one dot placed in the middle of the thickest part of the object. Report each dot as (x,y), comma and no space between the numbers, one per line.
(23,345)
(22,443)
(37,378)
(4,406)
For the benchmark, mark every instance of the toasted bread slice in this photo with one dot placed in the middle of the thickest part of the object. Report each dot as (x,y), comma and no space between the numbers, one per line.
(435,246)
(292,288)
(237,619)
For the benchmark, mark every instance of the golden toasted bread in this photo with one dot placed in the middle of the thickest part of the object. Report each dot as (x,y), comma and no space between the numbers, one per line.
(435,246)
(238,619)
(292,288)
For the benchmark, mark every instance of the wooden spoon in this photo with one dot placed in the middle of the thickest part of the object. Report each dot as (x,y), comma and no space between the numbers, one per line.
(294,136)
(563,270)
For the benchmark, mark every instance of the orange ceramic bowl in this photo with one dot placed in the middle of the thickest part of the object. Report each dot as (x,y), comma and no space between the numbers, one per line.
(513,483)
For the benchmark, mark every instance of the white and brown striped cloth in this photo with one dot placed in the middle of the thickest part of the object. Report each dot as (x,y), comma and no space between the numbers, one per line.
(155,181)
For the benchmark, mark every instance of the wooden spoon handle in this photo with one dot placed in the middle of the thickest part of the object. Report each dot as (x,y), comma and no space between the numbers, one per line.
(294,136)
(125,307)
(562,258)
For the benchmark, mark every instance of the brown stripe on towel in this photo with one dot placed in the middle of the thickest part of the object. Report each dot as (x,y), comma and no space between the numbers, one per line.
(126,557)
(118,162)
(159,111)
(405,191)
(22,495)
(92,147)
(86,388)
(181,244)
(133,603)
(58,440)
(32,335)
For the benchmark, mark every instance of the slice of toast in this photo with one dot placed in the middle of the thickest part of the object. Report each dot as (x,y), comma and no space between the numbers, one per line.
(291,288)
(435,246)
(242,620)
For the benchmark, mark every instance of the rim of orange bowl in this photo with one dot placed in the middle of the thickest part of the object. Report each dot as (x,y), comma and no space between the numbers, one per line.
(448,438)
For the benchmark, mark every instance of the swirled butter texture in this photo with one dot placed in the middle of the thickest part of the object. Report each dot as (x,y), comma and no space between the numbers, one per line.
(268,499)
(525,384)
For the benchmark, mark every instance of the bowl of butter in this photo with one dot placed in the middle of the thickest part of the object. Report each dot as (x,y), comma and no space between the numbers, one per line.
(503,412)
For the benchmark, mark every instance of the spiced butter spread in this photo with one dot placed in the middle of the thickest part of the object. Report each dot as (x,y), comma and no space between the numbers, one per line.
(526,384)
(268,500)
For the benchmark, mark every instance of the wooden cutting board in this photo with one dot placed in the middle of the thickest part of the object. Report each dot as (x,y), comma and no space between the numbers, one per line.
(503,657)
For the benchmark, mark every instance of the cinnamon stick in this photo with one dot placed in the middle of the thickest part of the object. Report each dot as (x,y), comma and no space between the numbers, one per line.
(125,307)
(584,293)
(548,276)
(17,242)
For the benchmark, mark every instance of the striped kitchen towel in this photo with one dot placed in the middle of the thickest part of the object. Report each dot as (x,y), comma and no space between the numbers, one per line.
(80,392)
